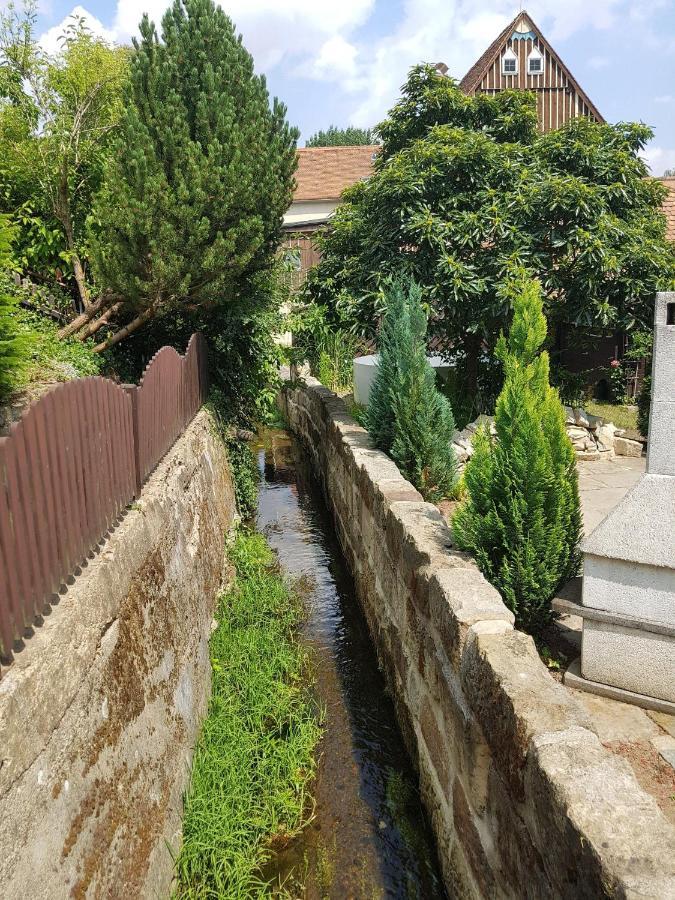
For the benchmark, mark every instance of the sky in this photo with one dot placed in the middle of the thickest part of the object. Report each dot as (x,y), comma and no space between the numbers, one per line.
(342,62)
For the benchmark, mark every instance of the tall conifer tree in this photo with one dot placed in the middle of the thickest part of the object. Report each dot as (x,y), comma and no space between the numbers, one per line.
(407,416)
(202,172)
(522,520)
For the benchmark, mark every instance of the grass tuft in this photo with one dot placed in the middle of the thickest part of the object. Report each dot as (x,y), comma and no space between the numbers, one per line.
(254,761)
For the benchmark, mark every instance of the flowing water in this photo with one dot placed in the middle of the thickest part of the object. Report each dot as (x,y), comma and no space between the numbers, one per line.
(369,838)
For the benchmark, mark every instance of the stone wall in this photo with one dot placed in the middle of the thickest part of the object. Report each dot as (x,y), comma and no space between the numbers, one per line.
(100,710)
(523,798)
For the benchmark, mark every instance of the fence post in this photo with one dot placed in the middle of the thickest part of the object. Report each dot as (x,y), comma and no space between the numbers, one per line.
(132,391)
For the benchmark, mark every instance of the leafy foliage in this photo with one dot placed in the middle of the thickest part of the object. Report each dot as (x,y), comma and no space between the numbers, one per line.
(245,475)
(254,759)
(201,174)
(644,405)
(341,137)
(522,520)
(11,344)
(56,123)
(407,416)
(465,191)
(327,347)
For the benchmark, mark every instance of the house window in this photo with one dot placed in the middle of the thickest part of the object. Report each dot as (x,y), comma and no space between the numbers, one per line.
(509,63)
(535,63)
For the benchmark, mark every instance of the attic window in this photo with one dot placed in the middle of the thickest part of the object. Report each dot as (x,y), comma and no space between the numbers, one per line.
(509,63)
(535,63)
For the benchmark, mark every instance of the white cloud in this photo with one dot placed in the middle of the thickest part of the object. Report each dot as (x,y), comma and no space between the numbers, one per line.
(664,98)
(336,58)
(50,42)
(273,30)
(659,159)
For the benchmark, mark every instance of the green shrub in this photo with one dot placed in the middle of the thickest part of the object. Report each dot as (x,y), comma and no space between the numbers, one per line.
(12,345)
(407,415)
(522,519)
(243,463)
(328,349)
(245,476)
(644,405)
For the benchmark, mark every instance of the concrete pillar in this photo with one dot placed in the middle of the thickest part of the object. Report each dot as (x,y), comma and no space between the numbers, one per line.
(628,591)
(661,446)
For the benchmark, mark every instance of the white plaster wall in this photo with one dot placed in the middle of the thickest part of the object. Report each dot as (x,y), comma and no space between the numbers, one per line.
(309,211)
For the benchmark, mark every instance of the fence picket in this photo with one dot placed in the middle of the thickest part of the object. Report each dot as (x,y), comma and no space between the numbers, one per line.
(78,456)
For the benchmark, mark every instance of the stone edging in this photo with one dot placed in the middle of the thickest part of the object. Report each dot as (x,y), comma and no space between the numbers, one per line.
(523,797)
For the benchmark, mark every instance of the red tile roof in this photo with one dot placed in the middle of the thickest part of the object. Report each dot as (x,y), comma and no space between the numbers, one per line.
(324,172)
(669,207)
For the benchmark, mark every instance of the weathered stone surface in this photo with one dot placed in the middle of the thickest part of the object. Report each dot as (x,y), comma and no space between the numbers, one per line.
(585,802)
(514,698)
(469,838)
(459,596)
(481,715)
(99,712)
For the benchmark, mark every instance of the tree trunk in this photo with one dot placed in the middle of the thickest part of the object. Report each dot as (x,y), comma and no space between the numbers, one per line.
(472,345)
(62,211)
(87,316)
(94,326)
(126,331)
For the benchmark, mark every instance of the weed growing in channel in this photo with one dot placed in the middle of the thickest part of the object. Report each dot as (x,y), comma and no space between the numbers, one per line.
(254,761)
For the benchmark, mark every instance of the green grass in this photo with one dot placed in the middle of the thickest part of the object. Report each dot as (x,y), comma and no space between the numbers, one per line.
(46,359)
(622,416)
(254,761)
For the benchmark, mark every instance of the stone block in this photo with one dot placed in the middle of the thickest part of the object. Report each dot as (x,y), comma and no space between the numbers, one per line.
(629,658)
(626,447)
(469,838)
(514,699)
(460,596)
(435,746)
(584,801)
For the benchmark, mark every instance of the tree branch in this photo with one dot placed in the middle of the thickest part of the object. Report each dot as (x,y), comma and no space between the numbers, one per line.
(94,326)
(104,301)
(134,325)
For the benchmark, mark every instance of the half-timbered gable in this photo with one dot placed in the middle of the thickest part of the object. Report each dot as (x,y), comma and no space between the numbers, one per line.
(522,59)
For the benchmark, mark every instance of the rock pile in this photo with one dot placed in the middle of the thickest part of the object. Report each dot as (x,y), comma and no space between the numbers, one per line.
(592,437)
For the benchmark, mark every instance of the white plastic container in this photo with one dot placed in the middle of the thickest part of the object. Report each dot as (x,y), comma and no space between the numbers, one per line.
(365,370)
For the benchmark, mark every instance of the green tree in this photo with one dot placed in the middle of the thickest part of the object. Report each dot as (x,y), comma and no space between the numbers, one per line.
(202,171)
(341,137)
(57,115)
(12,343)
(522,519)
(465,189)
(407,417)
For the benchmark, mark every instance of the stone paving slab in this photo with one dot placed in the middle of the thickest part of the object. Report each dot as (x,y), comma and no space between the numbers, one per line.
(603,484)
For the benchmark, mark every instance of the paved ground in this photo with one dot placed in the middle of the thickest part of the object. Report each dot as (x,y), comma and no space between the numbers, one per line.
(603,483)
(645,739)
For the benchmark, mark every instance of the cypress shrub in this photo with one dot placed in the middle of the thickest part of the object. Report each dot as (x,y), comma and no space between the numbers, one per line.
(407,417)
(522,519)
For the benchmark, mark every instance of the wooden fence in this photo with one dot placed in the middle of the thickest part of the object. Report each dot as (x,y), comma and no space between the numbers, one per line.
(72,464)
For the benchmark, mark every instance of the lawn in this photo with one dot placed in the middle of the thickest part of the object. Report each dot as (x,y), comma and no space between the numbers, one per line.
(621,416)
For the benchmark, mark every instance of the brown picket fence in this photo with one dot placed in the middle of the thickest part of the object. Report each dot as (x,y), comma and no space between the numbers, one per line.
(72,464)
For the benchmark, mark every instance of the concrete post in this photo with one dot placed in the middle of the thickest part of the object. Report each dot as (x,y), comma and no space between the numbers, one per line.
(661,447)
(628,592)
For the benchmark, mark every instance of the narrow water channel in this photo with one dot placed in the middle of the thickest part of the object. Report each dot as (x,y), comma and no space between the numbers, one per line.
(369,838)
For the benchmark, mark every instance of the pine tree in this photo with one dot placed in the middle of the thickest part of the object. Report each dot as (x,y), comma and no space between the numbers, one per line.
(202,172)
(522,519)
(407,416)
